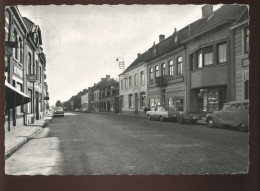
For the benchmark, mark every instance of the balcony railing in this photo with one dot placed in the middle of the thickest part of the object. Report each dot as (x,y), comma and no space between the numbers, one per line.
(161,81)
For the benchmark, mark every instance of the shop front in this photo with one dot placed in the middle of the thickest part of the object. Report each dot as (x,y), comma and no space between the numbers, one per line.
(209,99)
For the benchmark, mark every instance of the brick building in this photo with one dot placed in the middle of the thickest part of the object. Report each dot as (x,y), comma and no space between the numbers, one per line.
(24,56)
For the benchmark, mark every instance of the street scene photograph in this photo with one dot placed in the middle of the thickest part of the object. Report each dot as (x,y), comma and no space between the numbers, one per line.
(126,89)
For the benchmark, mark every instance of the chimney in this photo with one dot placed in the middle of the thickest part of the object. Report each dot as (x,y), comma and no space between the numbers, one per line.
(138,54)
(161,37)
(207,10)
(107,76)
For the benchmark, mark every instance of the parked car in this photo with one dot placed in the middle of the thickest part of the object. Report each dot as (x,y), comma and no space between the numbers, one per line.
(192,117)
(161,113)
(233,114)
(58,111)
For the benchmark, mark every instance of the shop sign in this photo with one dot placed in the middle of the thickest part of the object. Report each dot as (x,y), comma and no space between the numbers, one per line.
(246,76)
(31,78)
(38,87)
(18,72)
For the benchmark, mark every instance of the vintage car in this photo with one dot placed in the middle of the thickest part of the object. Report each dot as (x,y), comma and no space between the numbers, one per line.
(233,114)
(58,111)
(161,113)
(192,117)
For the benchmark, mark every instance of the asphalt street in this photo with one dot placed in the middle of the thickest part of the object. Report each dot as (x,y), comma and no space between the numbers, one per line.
(103,144)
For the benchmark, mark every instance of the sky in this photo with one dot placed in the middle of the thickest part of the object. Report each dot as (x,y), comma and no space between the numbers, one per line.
(82,42)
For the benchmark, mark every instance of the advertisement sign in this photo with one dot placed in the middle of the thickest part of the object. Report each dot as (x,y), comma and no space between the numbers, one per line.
(32,78)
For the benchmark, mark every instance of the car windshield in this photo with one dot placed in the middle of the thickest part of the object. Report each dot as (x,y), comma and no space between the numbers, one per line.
(58,109)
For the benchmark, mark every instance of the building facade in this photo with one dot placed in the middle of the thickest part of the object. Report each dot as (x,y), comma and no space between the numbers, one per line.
(133,87)
(166,72)
(24,56)
(210,62)
(240,50)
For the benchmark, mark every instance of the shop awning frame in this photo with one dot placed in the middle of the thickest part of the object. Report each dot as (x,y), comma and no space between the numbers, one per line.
(14,97)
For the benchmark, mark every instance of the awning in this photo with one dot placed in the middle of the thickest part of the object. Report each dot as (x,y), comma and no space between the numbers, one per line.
(14,97)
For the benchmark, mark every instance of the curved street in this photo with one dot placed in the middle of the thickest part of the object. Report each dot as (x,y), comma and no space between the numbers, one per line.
(104,144)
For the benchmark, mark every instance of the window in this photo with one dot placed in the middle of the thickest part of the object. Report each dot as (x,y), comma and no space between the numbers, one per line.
(30,103)
(29,61)
(122,101)
(171,68)
(179,65)
(151,74)
(222,53)
(191,62)
(121,84)
(142,77)
(15,50)
(19,86)
(40,75)
(130,81)
(246,40)
(135,80)
(142,100)
(125,83)
(156,71)
(131,101)
(205,57)
(163,69)
(21,51)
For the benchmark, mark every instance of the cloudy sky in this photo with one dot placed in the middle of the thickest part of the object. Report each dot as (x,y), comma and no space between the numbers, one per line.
(82,42)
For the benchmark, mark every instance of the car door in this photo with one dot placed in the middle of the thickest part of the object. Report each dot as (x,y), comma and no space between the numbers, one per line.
(222,116)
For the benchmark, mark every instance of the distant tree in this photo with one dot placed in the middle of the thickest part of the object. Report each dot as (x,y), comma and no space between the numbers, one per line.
(58,104)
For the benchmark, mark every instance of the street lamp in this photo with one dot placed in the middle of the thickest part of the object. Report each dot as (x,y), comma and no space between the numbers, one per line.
(121,63)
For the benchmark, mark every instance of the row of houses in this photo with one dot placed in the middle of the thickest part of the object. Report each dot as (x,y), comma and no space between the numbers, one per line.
(196,69)
(26,92)
(102,97)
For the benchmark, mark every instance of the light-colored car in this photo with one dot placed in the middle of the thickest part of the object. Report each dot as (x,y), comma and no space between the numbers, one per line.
(58,111)
(161,113)
(233,114)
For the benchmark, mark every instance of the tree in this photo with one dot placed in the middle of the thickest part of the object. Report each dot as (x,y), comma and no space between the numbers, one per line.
(58,104)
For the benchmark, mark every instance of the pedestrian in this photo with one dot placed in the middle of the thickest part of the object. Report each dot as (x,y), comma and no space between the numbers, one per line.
(145,109)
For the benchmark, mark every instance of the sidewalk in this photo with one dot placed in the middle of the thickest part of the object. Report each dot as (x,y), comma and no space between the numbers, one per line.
(20,135)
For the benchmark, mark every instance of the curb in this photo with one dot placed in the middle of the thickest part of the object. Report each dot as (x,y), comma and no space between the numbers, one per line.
(25,140)
(18,145)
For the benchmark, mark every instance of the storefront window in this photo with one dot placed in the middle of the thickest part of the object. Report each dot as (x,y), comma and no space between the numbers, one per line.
(246,90)
(30,103)
(131,101)
(210,100)
(155,102)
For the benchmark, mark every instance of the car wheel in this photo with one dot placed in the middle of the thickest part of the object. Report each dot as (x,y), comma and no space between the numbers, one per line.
(180,119)
(242,127)
(161,119)
(148,117)
(210,123)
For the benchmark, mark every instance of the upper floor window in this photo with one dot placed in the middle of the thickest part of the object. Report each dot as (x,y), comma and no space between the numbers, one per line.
(15,50)
(191,62)
(156,71)
(40,75)
(130,81)
(163,69)
(205,57)
(171,68)
(121,84)
(246,40)
(222,53)
(125,83)
(29,61)
(135,80)
(179,65)
(151,74)
(21,51)
(142,77)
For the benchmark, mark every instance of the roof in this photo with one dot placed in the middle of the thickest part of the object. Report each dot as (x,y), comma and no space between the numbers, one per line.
(32,28)
(226,13)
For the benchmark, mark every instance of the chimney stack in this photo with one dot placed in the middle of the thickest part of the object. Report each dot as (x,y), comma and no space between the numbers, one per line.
(107,76)
(138,54)
(207,10)
(161,38)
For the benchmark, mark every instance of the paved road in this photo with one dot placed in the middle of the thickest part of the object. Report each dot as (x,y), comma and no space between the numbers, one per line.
(89,143)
